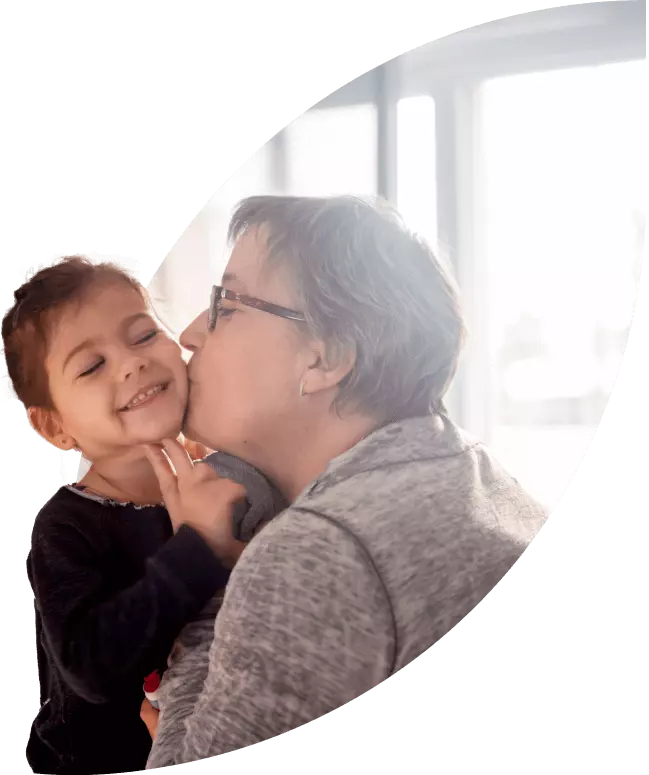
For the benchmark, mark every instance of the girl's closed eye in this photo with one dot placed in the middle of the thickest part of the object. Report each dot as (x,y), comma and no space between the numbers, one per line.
(147,337)
(95,367)
(142,340)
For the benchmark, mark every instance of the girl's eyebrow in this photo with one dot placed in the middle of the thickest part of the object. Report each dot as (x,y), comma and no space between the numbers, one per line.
(133,318)
(87,343)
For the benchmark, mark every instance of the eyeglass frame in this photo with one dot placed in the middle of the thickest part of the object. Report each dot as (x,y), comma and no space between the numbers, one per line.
(219,293)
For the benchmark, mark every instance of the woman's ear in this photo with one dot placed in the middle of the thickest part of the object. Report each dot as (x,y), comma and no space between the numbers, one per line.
(326,369)
(48,425)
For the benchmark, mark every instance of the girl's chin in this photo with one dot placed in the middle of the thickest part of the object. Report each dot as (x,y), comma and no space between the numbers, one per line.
(158,436)
(147,428)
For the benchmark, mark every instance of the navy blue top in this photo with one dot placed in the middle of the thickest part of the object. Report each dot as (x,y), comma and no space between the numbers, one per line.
(113,587)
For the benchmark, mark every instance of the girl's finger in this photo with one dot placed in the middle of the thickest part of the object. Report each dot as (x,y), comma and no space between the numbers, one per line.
(164,472)
(179,457)
(204,472)
(149,715)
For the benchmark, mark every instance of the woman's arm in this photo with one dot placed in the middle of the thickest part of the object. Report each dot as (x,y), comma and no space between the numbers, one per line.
(183,682)
(99,640)
(305,627)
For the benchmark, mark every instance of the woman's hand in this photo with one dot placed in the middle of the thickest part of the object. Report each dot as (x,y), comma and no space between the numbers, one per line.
(196,496)
(149,715)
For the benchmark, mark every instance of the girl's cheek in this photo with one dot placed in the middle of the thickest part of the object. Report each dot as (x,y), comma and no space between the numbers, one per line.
(167,347)
(177,349)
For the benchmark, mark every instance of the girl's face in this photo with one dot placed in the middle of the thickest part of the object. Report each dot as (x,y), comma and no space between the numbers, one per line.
(116,379)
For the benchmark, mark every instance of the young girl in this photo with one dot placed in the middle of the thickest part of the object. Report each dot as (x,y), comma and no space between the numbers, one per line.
(113,583)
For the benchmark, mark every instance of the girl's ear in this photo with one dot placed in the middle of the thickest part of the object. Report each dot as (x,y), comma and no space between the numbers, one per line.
(48,425)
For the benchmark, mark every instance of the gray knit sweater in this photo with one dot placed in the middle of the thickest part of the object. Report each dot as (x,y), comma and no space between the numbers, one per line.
(372,564)
(188,662)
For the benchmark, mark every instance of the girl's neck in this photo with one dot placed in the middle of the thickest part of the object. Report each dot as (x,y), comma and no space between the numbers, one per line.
(124,478)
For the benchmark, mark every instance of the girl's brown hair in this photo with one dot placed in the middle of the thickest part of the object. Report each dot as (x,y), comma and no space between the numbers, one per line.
(27,326)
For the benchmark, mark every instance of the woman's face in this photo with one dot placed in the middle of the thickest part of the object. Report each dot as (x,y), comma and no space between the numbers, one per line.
(244,377)
(116,379)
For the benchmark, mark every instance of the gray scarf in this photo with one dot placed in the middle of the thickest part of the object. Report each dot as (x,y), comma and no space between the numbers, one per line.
(263,501)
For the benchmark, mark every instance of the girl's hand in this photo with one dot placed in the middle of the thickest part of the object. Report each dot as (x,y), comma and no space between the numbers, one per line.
(149,715)
(196,496)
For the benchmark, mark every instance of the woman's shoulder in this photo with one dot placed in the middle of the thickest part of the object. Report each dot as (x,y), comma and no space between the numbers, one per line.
(311,569)
(300,535)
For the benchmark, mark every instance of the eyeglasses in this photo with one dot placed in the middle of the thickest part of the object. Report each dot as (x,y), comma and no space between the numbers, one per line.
(219,293)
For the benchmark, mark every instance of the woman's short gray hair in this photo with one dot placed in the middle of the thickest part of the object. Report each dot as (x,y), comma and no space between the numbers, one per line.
(365,282)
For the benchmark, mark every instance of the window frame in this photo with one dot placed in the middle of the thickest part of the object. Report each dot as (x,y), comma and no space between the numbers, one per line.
(452,71)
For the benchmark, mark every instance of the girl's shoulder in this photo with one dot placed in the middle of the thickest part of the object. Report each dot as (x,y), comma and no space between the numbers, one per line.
(68,506)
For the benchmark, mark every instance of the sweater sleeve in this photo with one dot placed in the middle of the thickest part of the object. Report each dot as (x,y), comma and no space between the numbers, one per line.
(183,682)
(305,627)
(101,639)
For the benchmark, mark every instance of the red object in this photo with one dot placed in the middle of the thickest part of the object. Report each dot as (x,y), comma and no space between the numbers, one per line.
(152,682)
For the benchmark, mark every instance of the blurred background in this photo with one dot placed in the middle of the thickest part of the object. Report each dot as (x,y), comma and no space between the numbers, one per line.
(518,150)
(518,147)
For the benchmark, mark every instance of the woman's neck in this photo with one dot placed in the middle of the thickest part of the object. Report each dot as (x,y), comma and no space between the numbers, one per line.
(127,477)
(298,463)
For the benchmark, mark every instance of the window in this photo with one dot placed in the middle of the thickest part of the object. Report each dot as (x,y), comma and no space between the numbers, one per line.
(332,151)
(416,178)
(178,294)
(254,177)
(564,219)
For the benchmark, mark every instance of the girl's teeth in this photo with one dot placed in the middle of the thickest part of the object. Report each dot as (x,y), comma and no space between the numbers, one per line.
(142,396)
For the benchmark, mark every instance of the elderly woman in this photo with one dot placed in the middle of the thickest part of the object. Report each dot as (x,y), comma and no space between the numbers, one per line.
(323,361)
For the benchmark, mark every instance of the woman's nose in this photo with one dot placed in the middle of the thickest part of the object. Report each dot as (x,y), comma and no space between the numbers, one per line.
(193,337)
